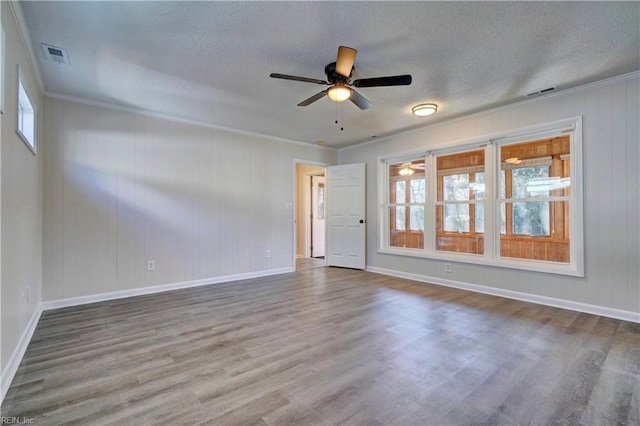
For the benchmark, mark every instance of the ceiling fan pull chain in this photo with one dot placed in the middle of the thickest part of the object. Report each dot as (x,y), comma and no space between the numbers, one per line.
(341,118)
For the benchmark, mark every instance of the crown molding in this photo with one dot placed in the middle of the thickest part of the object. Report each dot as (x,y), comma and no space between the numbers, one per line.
(25,36)
(589,86)
(168,117)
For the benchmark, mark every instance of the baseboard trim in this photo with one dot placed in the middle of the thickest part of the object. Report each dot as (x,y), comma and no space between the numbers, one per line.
(510,294)
(16,357)
(103,297)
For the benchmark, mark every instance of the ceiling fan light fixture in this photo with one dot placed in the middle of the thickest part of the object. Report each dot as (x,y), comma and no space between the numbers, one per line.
(423,110)
(406,170)
(339,93)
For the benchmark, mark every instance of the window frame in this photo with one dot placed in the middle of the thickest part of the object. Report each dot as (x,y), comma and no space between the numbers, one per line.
(491,144)
(387,203)
(22,86)
(471,202)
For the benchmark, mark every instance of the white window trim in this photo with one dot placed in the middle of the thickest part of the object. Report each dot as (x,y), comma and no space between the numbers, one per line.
(491,143)
(32,145)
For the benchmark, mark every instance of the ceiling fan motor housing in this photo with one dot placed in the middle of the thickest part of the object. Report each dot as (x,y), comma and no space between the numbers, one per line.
(333,77)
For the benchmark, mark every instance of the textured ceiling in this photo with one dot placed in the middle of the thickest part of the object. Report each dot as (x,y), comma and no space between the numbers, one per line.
(210,61)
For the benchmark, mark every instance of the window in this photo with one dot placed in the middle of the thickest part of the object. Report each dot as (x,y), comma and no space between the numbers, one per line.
(320,201)
(407,193)
(460,202)
(535,186)
(26,126)
(513,201)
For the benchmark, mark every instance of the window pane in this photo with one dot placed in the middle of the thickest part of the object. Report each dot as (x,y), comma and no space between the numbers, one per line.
(530,182)
(400,222)
(531,218)
(416,221)
(478,186)
(407,169)
(406,238)
(479,219)
(503,219)
(417,191)
(407,190)
(456,218)
(553,247)
(456,187)
(320,213)
(26,116)
(400,192)
(461,178)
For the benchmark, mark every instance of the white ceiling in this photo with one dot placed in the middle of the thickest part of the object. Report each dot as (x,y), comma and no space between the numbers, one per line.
(210,61)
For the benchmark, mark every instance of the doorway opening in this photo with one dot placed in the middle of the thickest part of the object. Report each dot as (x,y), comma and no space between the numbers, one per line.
(310,215)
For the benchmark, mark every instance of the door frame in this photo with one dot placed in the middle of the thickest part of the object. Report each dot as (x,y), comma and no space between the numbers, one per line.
(296,162)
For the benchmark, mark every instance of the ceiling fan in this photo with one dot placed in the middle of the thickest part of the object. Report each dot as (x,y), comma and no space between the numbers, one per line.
(409,168)
(339,75)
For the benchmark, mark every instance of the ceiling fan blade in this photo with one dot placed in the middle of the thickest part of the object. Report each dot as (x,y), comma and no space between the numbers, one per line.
(314,98)
(296,78)
(396,80)
(346,58)
(359,100)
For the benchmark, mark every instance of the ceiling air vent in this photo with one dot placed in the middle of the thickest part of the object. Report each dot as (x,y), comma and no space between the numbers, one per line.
(541,92)
(56,54)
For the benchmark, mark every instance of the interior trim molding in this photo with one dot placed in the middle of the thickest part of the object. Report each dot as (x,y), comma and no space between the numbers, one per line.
(25,36)
(588,86)
(16,357)
(122,294)
(168,117)
(510,294)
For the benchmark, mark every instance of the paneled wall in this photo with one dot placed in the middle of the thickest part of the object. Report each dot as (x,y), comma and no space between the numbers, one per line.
(122,188)
(611,151)
(20,189)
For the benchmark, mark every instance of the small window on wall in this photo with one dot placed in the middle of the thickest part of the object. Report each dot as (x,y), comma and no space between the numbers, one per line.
(406,204)
(26,115)
(460,202)
(535,187)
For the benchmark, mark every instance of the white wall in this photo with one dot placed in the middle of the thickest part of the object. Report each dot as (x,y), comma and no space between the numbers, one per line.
(611,193)
(122,188)
(21,206)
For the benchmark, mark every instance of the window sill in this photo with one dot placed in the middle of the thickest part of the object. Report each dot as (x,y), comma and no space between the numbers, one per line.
(567,269)
(24,139)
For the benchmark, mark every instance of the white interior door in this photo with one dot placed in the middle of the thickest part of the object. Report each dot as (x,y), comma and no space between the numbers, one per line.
(346,216)
(318,197)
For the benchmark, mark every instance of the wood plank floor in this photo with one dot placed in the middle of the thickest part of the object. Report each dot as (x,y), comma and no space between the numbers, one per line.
(327,346)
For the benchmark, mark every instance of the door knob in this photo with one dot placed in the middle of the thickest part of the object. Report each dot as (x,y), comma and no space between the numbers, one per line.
(362,221)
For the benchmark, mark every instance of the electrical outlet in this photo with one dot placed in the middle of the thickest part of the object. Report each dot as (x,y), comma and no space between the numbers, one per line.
(267,254)
(151,265)
(447,267)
